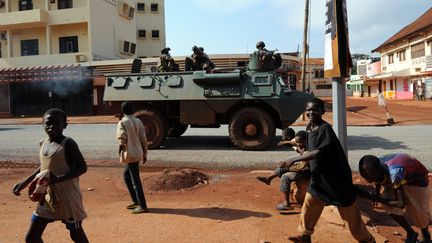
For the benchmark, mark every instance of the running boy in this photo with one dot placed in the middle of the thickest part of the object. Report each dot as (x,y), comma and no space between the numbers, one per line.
(331,179)
(62,159)
(132,149)
(406,192)
(297,171)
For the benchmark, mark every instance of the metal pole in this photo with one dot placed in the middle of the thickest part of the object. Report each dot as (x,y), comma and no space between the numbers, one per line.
(305,45)
(339,111)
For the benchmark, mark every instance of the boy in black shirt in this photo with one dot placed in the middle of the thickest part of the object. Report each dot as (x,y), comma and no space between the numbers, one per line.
(331,179)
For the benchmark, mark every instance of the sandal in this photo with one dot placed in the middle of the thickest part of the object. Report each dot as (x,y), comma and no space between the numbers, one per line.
(300,238)
(132,206)
(263,179)
(139,209)
(284,207)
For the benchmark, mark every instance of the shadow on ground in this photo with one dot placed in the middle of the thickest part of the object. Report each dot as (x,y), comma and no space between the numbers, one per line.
(212,143)
(377,217)
(223,143)
(225,214)
(367,142)
(9,128)
(356,108)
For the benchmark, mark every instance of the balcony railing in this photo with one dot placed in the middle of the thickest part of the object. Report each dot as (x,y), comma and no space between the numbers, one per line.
(23,19)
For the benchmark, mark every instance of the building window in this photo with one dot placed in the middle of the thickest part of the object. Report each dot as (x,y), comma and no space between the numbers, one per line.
(63,4)
(132,48)
(141,7)
(319,73)
(154,7)
(401,55)
(126,47)
(25,5)
(141,33)
(29,47)
(390,58)
(417,50)
(68,44)
(155,33)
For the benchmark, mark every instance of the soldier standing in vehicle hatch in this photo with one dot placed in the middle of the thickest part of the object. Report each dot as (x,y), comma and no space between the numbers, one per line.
(262,52)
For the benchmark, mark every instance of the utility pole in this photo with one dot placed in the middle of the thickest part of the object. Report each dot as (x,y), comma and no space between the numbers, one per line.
(305,44)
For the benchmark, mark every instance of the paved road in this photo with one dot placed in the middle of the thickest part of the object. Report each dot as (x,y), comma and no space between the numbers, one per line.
(211,147)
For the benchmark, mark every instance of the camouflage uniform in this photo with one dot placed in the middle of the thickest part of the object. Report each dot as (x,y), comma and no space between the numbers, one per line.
(166,63)
(198,60)
(262,52)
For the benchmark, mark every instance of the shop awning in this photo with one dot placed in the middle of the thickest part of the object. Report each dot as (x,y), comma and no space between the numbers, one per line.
(355,82)
(388,75)
(41,73)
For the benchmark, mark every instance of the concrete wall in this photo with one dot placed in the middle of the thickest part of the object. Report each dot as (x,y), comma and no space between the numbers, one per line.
(107,28)
(148,20)
(27,34)
(79,30)
(55,59)
(68,16)
(37,4)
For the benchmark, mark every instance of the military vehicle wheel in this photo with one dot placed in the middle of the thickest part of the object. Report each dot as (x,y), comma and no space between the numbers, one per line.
(251,129)
(177,130)
(156,127)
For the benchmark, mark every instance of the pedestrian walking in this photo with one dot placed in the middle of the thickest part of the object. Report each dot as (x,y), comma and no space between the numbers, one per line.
(132,149)
(55,184)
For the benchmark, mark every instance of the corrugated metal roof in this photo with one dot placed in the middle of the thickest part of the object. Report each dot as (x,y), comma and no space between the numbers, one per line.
(423,22)
(314,61)
(221,61)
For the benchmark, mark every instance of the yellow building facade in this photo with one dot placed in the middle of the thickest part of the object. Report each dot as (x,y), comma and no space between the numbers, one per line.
(48,32)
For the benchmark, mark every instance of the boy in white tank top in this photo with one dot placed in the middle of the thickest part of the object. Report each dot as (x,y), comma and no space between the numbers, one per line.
(62,160)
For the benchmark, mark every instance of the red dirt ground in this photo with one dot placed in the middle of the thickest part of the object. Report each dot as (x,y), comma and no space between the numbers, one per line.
(232,207)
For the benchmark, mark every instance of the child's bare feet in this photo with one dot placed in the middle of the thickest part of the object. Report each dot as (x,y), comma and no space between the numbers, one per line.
(263,179)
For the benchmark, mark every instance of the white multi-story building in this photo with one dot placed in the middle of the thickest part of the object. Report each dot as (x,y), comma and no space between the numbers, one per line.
(46,32)
(406,61)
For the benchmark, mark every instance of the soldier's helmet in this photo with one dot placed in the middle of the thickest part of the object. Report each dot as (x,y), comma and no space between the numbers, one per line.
(194,48)
(201,48)
(165,50)
(260,44)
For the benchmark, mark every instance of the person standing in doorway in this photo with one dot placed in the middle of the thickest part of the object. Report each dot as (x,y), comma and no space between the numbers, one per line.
(420,93)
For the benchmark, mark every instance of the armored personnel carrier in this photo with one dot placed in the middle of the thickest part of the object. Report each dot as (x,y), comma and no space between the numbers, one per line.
(253,101)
